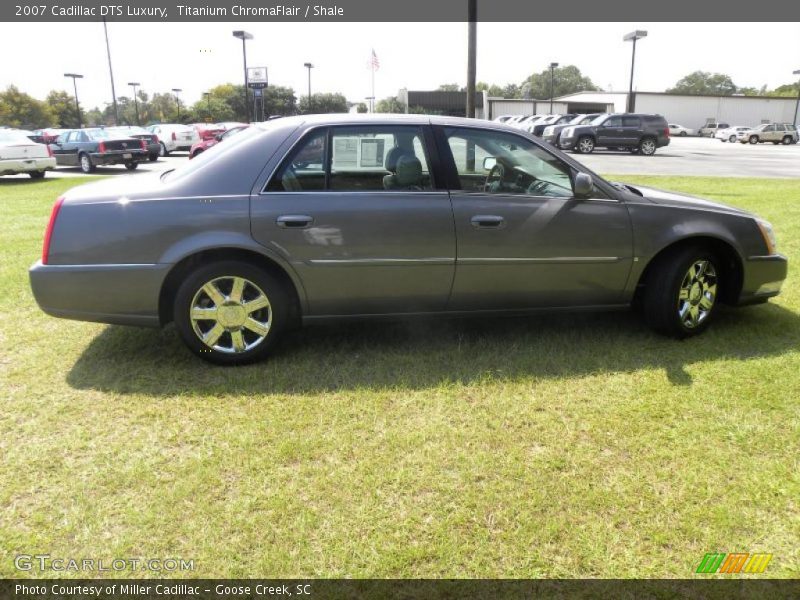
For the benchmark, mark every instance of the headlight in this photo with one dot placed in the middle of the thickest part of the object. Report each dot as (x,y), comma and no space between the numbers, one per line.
(769,235)
(567,133)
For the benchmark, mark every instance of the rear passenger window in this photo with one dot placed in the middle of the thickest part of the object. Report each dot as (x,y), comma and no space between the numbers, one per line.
(631,122)
(303,170)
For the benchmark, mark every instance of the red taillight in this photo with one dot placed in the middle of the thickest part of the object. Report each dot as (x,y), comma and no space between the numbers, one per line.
(49,151)
(48,233)
(174,137)
(101,147)
(155,139)
(144,146)
(666,132)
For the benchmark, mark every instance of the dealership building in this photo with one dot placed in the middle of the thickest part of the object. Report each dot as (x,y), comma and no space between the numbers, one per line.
(691,111)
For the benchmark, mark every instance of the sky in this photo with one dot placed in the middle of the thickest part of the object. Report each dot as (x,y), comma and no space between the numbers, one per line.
(417,56)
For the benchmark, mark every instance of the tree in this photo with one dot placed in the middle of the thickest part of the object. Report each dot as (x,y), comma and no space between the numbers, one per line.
(361,108)
(450,87)
(324,103)
(62,106)
(390,105)
(279,100)
(703,82)
(511,90)
(566,80)
(18,109)
(788,89)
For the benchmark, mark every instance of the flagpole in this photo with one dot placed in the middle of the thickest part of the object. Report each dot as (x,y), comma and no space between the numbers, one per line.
(373,89)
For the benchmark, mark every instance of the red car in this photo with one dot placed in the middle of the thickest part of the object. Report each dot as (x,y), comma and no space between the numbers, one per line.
(206,143)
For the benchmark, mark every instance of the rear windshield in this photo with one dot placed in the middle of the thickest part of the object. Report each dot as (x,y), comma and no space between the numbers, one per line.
(14,137)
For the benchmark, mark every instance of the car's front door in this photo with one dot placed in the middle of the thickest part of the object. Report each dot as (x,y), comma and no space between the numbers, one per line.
(610,133)
(524,240)
(357,213)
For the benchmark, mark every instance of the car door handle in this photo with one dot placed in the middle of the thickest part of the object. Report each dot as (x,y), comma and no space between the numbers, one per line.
(294,221)
(487,222)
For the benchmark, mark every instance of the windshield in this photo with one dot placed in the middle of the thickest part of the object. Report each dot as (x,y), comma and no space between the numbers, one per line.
(205,157)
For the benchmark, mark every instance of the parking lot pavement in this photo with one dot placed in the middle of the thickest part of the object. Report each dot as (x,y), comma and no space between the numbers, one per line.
(701,156)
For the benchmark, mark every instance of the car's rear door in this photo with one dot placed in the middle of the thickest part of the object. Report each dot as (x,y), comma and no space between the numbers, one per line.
(632,130)
(526,241)
(358,214)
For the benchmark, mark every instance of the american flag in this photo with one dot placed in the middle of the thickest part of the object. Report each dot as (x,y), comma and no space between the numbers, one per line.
(374,63)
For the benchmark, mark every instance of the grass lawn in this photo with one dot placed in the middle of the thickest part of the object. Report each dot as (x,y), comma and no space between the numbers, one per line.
(569,446)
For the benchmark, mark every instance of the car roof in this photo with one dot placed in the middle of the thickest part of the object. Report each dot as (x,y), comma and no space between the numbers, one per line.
(384,119)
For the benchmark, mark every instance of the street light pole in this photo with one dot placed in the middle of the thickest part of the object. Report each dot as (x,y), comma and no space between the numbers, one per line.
(797,104)
(208,102)
(472,40)
(553,66)
(75,87)
(111,74)
(134,85)
(178,101)
(244,36)
(309,66)
(632,37)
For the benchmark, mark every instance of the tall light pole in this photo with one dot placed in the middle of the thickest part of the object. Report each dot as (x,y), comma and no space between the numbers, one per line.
(207,96)
(632,37)
(75,86)
(371,100)
(178,101)
(472,39)
(134,85)
(309,66)
(553,66)
(244,36)
(797,104)
(111,74)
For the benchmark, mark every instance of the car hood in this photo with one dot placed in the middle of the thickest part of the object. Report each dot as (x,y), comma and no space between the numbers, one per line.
(666,198)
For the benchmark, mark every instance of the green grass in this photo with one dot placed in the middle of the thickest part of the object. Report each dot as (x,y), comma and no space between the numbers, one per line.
(574,446)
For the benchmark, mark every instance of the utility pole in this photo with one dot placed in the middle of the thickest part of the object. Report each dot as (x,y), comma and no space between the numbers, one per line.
(111,74)
(472,37)
(134,85)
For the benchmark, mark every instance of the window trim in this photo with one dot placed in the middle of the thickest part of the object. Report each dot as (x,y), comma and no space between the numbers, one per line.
(426,140)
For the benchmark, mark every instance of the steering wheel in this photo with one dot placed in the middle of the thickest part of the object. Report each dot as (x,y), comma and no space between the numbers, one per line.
(494,178)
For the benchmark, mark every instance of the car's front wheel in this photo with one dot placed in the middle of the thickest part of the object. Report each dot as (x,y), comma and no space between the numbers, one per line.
(732,139)
(230,312)
(753,139)
(681,292)
(683,134)
(86,164)
(585,145)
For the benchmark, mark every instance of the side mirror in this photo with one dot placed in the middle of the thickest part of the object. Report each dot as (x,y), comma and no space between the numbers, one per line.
(489,162)
(583,185)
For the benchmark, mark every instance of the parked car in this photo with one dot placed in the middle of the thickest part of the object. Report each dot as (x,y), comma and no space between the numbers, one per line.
(47,135)
(173,137)
(140,133)
(226,125)
(20,154)
(208,131)
(503,118)
(552,133)
(679,130)
(638,133)
(729,134)
(205,144)
(538,128)
(777,133)
(709,129)
(320,217)
(88,148)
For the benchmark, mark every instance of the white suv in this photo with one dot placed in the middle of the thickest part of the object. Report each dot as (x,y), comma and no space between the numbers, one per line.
(174,137)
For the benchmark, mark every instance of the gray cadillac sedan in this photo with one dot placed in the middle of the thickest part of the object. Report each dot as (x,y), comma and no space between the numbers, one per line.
(341,216)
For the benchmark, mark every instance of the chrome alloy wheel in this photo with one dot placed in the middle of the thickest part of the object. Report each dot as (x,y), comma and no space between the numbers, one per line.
(586,145)
(648,147)
(231,315)
(698,293)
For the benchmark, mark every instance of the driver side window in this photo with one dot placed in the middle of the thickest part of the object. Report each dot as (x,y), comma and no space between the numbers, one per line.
(499,163)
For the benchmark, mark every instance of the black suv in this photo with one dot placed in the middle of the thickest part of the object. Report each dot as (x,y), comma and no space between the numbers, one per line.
(635,132)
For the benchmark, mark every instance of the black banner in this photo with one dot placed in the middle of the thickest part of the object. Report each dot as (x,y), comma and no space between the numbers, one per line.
(397,11)
(363,589)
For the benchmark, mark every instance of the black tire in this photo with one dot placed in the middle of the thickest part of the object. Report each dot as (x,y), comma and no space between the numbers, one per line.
(753,139)
(261,280)
(787,139)
(661,301)
(647,146)
(131,166)
(85,163)
(36,174)
(732,139)
(585,145)
(196,153)
(162,149)
(682,134)
(152,157)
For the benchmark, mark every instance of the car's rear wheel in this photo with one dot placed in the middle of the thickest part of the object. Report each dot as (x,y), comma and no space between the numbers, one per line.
(162,149)
(732,139)
(585,145)
(683,134)
(153,157)
(86,164)
(131,166)
(787,139)
(647,146)
(681,292)
(753,139)
(230,312)
(37,174)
